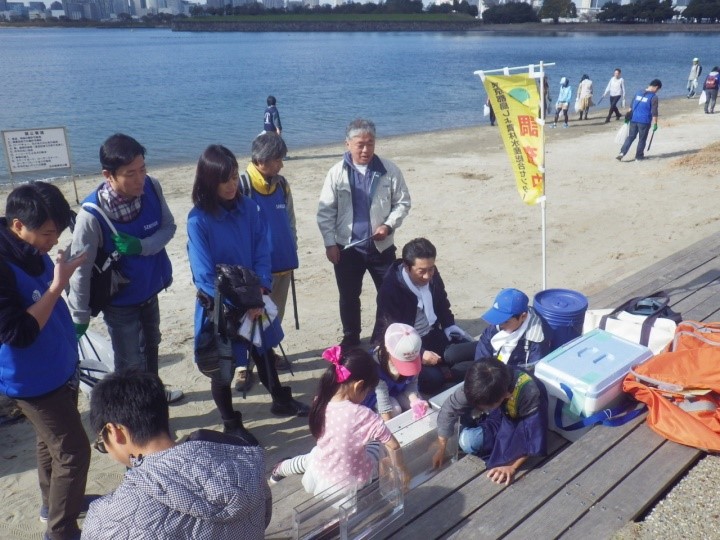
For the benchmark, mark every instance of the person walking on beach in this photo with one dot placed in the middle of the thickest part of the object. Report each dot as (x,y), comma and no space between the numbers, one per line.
(710,87)
(563,101)
(127,214)
(644,111)
(363,201)
(225,227)
(695,72)
(209,485)
(584,96)
(616,90)
(263,183)
(38,349)
(271,118)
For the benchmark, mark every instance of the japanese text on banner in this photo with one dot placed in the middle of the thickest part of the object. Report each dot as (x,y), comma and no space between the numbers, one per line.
(516,101)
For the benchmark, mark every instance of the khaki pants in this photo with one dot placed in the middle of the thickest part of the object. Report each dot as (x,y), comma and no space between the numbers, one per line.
(63,457)
(279,294)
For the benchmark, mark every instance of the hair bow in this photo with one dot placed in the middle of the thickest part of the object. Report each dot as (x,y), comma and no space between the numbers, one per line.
(334,356)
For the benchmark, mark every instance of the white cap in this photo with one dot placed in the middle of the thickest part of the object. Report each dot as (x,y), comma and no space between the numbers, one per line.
(696,60)
(403,344)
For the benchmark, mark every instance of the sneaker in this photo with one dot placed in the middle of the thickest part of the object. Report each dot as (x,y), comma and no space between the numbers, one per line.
(639,158)
(565,125)
(553,125)
(44,510)
(173,395)
(244,380)
(87,499)
(275,476)
(619,157)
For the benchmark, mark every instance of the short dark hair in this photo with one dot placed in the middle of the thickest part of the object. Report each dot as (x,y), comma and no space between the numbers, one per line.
(487,381)
(216,166)
(271,100)
(657,83)
(267,147)
(418,248)
(37,202)
(134,399)
(119,150)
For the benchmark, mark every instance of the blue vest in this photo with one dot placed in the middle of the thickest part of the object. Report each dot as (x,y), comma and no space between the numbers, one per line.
(273,207)
(642,107)
(52,359)
(150,274)
(395,388)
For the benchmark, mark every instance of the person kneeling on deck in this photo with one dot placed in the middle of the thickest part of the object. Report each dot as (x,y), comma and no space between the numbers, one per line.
(503,418)
(515,336)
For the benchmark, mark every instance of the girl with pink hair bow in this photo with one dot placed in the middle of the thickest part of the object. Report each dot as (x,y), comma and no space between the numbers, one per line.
(348,434)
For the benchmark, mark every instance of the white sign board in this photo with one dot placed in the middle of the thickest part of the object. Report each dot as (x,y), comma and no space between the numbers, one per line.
(36,149)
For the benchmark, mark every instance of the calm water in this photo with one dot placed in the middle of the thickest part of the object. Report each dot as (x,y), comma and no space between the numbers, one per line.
(178,92)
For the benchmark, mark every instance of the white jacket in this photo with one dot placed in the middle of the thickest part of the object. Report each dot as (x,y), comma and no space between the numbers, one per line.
(389,205)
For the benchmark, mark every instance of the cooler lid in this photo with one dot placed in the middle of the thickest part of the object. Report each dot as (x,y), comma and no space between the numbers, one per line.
(592,362)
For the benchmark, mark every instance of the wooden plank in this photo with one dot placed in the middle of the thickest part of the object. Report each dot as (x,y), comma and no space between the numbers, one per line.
(660,274)
(541,484)
(459,503)
(636,493)
(577,496)
(707,309)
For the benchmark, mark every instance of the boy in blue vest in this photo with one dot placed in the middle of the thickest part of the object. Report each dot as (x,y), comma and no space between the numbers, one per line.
(38,348)
(127,213)
(503,418)
(644,111)
(263,183)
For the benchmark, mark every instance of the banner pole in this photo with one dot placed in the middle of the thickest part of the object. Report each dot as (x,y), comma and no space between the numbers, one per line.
(543,214)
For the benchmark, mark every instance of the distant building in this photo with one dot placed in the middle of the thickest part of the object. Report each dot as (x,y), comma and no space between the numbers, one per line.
(273,4)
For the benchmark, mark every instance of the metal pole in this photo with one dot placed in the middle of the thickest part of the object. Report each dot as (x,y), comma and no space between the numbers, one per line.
(294,298)
(542,170)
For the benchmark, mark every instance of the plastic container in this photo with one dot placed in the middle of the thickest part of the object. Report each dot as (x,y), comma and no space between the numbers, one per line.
(564,312)
(593,366)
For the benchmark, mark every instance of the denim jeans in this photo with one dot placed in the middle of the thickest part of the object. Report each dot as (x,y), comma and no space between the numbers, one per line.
(636,130)
(63,456)
(471,440)
(135,335)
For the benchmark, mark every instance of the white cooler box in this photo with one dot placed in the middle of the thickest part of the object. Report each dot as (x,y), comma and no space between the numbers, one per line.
(593,366)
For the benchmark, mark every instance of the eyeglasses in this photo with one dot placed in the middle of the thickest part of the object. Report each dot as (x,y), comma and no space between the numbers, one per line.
(99,443)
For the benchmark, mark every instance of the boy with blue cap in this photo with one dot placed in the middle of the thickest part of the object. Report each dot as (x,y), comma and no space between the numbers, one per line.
(515,336)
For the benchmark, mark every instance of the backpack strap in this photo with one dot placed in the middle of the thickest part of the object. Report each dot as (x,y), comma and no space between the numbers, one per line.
(87,205)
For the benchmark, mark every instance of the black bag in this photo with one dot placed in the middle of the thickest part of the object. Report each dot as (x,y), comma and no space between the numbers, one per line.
(106,279)
(240,286)
(213,351)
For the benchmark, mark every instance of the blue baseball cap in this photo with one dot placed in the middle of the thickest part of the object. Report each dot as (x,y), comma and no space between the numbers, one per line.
(508,303)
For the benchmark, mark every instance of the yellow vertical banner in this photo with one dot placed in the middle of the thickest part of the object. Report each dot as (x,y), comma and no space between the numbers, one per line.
(516,102)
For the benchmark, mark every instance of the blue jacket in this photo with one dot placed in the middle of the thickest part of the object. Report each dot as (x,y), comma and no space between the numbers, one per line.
(148,274)
(239,236)
(33,361)
(530,348)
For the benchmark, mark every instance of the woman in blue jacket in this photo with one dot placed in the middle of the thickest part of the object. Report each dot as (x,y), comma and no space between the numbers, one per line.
(226,227)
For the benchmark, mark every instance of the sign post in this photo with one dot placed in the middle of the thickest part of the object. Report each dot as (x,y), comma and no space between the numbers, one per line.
(38,149)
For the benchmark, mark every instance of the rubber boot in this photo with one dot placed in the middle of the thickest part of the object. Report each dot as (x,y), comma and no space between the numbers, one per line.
(235,428)
(283,404)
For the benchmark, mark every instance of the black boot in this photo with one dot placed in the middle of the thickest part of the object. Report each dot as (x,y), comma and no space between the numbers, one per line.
(235,428)
(283,404)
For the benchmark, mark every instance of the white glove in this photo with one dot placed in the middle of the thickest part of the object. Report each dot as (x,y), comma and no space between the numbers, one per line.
(455,330)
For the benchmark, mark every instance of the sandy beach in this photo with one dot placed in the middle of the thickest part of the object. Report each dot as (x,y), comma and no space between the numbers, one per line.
(605,220)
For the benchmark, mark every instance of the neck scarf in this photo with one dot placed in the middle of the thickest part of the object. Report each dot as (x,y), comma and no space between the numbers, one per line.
(504,343)
(424,297)
(259,184)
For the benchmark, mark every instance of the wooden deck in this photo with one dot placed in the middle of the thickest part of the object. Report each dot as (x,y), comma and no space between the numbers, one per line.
(587,489)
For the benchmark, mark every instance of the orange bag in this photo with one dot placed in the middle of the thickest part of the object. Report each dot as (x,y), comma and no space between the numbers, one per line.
(681,387)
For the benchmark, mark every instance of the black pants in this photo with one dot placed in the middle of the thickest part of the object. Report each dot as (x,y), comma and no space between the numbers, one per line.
(613,108)
(456,358)
(349,273)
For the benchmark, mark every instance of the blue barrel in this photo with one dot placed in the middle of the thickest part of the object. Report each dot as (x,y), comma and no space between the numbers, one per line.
(564,312)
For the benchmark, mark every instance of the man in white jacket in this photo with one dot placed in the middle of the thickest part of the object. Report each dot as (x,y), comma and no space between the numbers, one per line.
(364,199)
(616,89)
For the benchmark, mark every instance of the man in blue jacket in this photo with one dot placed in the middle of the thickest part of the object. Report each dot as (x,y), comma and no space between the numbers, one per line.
(128,214)
(38,348)
(644,109)
(271,118)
